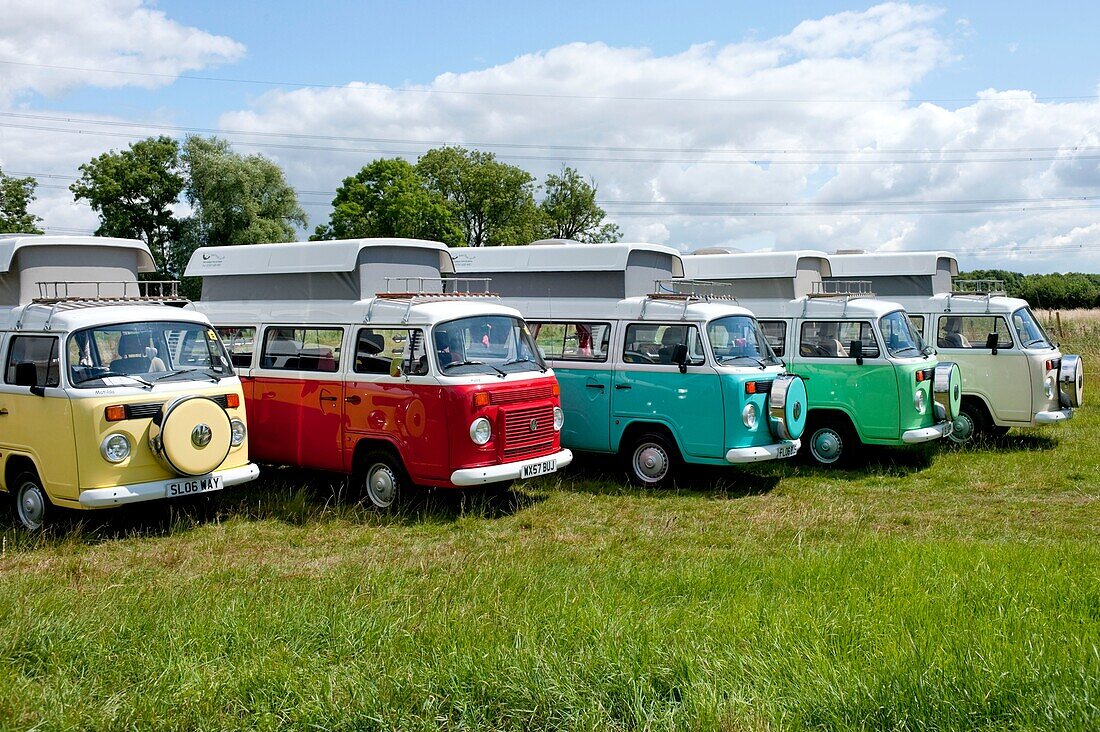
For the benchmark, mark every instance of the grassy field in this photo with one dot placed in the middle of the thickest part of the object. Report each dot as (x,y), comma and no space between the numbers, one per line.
(949,589)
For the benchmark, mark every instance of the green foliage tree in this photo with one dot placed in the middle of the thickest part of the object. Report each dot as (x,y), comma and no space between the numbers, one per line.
(236,199)
(569,210)
(1049,291)
(389,198)
(133,192)
(15,195)
(493,202)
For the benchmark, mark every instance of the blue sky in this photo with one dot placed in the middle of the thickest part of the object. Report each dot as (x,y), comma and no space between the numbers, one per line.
(594,50)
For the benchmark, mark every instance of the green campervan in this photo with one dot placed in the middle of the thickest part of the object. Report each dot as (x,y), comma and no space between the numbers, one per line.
(649,368)
(870,377)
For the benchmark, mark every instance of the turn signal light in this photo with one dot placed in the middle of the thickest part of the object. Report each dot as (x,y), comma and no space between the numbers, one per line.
(555,389)
(750,387)
(1050,365)
(232,401)
(115,413)
(481,399)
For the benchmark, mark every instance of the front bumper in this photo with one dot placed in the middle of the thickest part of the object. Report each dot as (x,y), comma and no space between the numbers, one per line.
(505,471)
(122,494)
(1060,415)
(926,434)
(763,452)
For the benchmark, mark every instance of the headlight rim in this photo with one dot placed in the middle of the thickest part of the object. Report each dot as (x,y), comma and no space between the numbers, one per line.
(233,441)
(920,401)
(104,448)
(488,431)
(750,416)
(559,419)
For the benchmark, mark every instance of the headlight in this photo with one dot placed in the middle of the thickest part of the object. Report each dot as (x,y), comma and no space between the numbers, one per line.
(559,419)
(918,401)
(115,448)
(237,432)
(1048,386)
(481,431)
(749,416)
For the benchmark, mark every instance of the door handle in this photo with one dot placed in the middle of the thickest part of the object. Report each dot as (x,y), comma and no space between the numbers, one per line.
(595,386)
(328,398)
(3,411)
(623,386)
(267,395)
(353,400)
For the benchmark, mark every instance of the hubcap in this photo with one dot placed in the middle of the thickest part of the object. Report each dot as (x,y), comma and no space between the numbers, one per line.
(962,429)
(826,445)
(381,485)
(650,462)
(32,506)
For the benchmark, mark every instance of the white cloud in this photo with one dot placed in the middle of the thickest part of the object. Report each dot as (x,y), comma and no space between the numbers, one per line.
(114,35)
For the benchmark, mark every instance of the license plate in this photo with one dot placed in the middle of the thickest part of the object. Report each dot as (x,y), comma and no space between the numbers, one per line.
(784,451)
(195,486)
(534,469)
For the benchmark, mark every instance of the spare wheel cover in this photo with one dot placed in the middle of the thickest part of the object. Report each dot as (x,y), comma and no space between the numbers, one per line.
(195,435)
(787,406)
(1071,381)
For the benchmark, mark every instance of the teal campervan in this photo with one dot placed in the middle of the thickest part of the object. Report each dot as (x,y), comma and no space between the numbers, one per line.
(649,369)
(870,377)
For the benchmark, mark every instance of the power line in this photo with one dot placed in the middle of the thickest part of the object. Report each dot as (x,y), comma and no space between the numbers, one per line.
(547,95)
(543,146)
(665,161)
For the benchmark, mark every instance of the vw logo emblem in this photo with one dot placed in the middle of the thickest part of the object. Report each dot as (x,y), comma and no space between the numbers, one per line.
(534,425)
(797,410)
(200,436)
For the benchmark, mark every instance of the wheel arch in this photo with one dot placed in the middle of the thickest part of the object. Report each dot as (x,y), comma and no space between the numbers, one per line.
(16,464)
(366,445)
(982,403)
(639,427)
(820,415)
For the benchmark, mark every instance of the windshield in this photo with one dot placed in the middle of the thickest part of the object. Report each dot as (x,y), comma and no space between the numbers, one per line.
(738,339)
(140,354)
(1028,330)
(901,336)
(489,344)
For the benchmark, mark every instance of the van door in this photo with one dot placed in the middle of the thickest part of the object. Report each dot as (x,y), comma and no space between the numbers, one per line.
(298,394)
(579,353)
(39,426)
(648,386)
(1004,380)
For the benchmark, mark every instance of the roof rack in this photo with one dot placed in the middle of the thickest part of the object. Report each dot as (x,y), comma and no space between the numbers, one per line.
(841,288)
(687,292)
(61,290)
(415,290)
(982,288)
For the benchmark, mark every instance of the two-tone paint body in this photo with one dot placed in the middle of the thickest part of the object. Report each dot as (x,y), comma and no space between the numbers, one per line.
(1024,382)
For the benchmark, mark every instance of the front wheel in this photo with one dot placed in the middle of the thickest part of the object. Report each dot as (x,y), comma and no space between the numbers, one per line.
(652,460)
(974,424)
(829,445)
(384,479)
(32,505)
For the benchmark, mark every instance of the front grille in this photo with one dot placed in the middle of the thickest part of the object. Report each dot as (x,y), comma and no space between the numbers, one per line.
(520,440)
(528,394)
(145,410)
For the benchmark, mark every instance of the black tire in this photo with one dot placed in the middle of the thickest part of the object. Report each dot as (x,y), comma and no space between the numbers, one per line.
(972,424)
(651,460)
(384,480)
(829,443)
(31,504)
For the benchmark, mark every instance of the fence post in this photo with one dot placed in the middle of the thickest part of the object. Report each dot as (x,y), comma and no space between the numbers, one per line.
(1058,319)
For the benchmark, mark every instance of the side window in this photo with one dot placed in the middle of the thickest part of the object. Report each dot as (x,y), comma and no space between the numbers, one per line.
(42,351)
(376,348)
(775,333)
(302,349)
(655,343)
(241,343)
(918,323)
(971,331)
(833,339)
(573,341)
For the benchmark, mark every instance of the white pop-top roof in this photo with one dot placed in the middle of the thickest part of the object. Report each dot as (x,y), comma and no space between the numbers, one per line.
(12,243)
(35,317)
(716,265)
(887,264)
(966,304)
(559,256)
(424,311)
(299,257)
(630,308)
(831,308)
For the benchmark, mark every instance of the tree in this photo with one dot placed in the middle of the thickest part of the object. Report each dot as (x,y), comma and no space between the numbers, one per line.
(569,210)
(236,199)
(133,192)
(15,195)
(494,202)
(389,198)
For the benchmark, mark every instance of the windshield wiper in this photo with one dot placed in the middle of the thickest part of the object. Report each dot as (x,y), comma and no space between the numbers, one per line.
(1034,341)
(759,362)
(108,374)
(187,372)
(542,369)
(453,364)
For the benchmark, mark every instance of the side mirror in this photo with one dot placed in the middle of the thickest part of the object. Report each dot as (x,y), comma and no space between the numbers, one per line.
(680,357)
(26,374)
(991,342)
(855,350)
(395,367)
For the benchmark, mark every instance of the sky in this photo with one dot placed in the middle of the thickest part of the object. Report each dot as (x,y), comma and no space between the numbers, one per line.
(972,127)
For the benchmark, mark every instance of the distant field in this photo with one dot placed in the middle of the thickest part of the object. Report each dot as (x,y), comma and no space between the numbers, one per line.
(957,589)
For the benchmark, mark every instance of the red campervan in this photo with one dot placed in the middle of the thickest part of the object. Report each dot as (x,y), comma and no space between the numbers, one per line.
(354,359)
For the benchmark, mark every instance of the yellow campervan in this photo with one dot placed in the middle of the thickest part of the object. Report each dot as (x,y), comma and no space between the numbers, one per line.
(109,395)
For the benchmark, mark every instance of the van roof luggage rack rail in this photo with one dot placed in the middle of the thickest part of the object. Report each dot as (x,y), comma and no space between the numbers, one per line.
(689,291)
(416,290)
(980,288)
(847,289)
(55,296)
